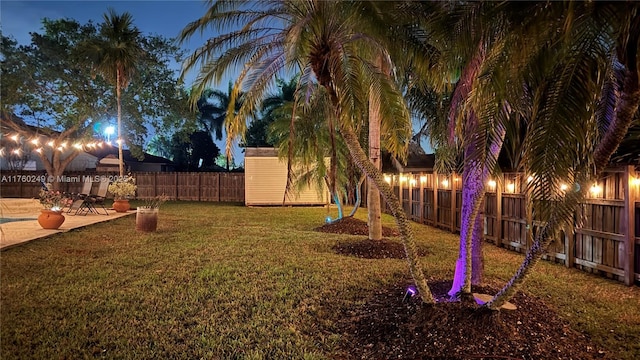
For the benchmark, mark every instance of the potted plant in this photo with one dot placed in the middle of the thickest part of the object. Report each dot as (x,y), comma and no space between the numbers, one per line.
(52,201)
(122,189)
(147,215)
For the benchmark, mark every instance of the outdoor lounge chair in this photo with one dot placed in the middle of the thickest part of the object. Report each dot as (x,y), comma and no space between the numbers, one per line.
(77,199)
(93,201)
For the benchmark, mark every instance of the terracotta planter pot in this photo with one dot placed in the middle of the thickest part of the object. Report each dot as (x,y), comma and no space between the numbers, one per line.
(147,219)
(50,219)
(121,206)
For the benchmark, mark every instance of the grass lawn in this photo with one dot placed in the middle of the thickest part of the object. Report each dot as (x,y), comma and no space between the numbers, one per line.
(220,281)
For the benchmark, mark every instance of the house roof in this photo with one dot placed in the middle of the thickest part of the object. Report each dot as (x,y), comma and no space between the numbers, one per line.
(417,161)
(127,156)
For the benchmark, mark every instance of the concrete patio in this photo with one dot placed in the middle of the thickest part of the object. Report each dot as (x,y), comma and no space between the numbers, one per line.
(23,224)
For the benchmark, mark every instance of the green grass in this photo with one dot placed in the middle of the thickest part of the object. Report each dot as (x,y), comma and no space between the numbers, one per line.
(222,281)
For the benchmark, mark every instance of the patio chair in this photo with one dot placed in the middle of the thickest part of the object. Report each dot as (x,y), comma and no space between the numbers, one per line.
(76,201)
(93,201)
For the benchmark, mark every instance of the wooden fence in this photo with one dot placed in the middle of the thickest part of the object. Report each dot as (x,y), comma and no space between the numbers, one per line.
(223,187)
(604,238)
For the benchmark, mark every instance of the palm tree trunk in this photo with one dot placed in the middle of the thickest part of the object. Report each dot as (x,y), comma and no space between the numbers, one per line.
(119,101)
(373,195)
(626,107)
(474,178)
(404,226)
(357,204)
(477,258)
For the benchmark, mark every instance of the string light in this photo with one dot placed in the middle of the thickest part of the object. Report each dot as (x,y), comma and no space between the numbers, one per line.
(37,140)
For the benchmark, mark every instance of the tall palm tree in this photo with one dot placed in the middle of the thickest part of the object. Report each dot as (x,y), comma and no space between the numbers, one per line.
(115,55)
(258,132)
(374,208)
(476,128)
(336,41)
(213,113)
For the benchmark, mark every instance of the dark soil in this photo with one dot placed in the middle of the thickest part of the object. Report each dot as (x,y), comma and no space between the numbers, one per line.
(391,325)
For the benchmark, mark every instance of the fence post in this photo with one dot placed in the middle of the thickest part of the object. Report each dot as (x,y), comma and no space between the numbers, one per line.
(219,189)
(175,176)
(421,197)
(400,188)
(436,218)
(453,201)
(628,222)
(410,197)
(199,186)
(499,183)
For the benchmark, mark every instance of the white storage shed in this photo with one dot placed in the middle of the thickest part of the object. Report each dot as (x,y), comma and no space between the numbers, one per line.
(266,179)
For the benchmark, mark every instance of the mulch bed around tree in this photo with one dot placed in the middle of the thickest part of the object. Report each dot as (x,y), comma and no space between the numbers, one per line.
(365,248)
(353,226)
(390,325)
(386,327)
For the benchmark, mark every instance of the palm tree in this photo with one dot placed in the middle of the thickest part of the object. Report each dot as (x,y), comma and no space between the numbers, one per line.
(213,114)
(306,142)
(114,55)
(607,36)
(539,70)
(159,145)
(337,41)
(551,63)
(478,129)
